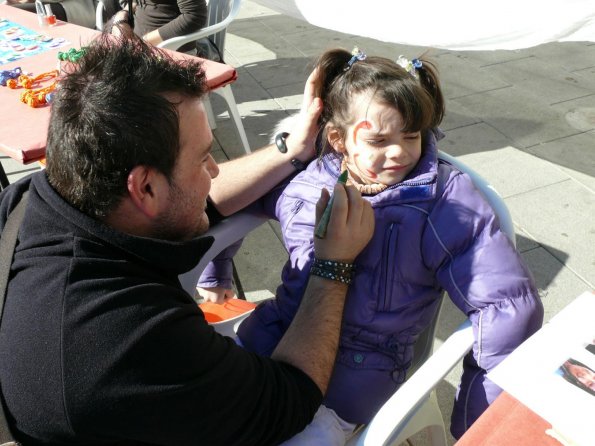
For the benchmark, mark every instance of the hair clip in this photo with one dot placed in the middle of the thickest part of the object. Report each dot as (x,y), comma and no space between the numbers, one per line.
(411,66)
(6,75)
(356,55)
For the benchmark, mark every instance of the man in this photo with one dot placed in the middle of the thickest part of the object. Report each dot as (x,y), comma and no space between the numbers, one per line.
(99,344)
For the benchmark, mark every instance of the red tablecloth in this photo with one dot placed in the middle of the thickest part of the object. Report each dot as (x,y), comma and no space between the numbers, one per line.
(23,131)
(508,422)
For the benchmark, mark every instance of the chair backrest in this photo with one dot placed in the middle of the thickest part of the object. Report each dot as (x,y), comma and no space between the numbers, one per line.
(220,14)
(218,11)
(104,10)
(224,233)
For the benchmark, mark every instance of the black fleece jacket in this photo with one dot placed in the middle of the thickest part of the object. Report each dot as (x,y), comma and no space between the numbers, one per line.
(99,344)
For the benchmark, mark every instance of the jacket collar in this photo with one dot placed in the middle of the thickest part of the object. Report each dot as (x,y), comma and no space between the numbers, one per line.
(174,257)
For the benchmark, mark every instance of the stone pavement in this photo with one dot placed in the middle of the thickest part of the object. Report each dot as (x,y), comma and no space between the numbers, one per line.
(525,120)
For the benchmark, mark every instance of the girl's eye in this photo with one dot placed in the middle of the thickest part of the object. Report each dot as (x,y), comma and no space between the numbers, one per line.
(375,142)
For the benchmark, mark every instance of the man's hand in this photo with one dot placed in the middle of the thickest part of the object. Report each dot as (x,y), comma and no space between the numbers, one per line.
(350,227)
(302,137)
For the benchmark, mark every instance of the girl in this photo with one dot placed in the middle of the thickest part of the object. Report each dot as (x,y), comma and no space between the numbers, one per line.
(434,232)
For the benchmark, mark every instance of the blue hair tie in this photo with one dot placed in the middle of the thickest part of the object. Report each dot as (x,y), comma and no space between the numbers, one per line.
(356,55)
(411,66)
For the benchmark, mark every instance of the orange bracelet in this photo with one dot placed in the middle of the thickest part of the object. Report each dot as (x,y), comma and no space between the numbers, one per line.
(39,97)
(28,82)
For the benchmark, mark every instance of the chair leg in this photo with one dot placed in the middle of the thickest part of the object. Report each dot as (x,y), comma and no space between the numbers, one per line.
(227,94)
(437,435)
(428,415)
(210,114)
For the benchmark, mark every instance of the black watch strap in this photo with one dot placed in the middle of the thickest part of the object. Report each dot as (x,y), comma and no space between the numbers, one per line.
(280,143)
(298,165)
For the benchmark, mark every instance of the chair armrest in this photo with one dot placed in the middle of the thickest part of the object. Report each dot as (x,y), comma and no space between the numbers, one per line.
(226,232)
(176,42)
(394,415)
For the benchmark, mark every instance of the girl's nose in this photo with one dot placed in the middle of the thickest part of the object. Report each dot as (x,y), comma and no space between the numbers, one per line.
(394,151)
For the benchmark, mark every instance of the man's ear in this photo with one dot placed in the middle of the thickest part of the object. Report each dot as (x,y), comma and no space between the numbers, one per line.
(148,190)
(335,139)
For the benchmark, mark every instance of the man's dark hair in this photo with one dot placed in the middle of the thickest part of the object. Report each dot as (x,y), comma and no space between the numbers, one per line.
(110,115)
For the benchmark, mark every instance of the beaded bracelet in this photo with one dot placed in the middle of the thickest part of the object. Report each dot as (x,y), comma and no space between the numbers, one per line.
(333,270)
(40,97)
(29,82)
(6,75)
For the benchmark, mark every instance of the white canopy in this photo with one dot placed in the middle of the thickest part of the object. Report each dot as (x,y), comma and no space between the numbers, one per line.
(450,24)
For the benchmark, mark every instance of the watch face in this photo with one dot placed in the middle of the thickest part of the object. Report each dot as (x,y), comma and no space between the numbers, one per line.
(280,141)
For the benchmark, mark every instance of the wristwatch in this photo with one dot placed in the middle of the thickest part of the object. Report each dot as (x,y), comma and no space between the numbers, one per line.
(280,143)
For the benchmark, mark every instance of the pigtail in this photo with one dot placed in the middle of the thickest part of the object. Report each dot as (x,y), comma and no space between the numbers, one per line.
(428,78)
(331,66)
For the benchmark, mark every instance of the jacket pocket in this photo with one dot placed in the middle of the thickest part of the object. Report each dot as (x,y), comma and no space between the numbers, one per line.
(293,208)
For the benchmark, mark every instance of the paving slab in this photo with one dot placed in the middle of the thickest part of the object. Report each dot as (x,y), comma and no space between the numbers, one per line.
(512,171)
(525,117)
(259,262)
(549,82)
(575,152)
(558,285)
(560,217)
(475,79)
(474,138)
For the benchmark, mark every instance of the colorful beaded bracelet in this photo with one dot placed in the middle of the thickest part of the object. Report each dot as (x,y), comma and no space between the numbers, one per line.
(333,270)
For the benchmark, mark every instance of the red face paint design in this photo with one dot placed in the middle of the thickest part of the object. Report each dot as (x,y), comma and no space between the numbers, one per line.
(366,125)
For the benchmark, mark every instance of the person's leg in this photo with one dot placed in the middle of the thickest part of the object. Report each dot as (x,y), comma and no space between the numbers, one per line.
(326,429)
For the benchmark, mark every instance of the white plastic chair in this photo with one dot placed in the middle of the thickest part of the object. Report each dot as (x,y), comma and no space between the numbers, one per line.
(226,232)
(220,14)
(414,406)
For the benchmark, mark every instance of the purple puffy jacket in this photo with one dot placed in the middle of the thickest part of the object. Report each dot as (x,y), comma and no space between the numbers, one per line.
(434,232)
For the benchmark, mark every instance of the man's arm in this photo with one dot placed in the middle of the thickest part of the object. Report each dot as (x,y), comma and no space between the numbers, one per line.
(311,340)
(246,179)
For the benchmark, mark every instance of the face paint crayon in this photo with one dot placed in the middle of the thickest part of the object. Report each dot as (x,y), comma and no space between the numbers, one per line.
(320,231)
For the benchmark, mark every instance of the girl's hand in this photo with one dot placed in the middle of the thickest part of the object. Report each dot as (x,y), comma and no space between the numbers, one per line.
(217,295)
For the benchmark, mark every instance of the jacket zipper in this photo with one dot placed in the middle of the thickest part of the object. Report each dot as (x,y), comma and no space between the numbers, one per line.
(411,183)
(389,265)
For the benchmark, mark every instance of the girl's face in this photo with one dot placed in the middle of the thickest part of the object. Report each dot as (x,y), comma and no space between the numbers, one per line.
(583,374)
(375,148)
